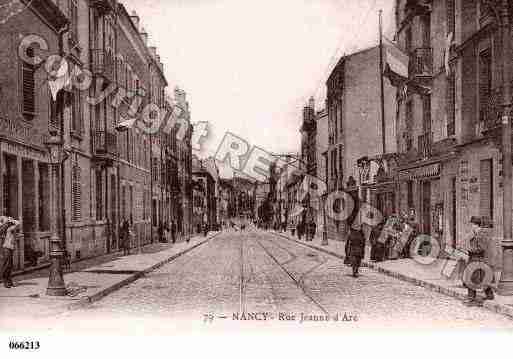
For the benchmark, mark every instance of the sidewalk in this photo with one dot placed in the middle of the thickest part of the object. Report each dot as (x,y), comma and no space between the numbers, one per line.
(427,276)
(87,285)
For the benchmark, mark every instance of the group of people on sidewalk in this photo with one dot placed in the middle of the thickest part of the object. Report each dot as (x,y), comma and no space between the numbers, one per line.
(164,231)
(397,240)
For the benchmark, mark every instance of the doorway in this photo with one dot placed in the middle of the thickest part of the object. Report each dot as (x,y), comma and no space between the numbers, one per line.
(426,207)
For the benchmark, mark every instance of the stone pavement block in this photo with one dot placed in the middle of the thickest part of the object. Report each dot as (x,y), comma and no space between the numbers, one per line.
(428,276)
(29,299)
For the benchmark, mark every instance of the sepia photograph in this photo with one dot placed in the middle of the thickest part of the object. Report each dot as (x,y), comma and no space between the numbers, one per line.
(200,170)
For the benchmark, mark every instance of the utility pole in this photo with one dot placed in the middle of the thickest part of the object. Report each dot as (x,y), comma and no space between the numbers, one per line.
(506,283)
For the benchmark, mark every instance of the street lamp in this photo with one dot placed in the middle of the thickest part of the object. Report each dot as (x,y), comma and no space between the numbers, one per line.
(56,286)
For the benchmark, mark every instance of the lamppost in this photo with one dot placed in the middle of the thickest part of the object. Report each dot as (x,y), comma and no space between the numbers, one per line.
(56,286)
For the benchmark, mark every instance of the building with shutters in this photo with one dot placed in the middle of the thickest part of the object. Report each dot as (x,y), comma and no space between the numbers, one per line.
(107,175)
(449,116)
(26,118)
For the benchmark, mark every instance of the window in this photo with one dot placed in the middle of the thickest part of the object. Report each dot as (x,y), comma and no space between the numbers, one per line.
(28,87)
(408,40)
(340,164)
(410,194)
(486,188)
(76,193)
(73,17)
(76,112)
(409,123)
(44,197)
(451,104)
(451,20)
(99,196)
(485,85)
(426,114)
(426,31)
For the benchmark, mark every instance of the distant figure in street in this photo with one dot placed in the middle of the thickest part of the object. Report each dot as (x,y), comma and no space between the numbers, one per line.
(205,229)
(377,248)
(173,231)
(300,227)
(124,237)
(356,241)
(160,231)
(9,227)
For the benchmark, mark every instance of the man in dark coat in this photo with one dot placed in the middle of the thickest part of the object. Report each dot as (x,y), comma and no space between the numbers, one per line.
(377,248)
(173,231)
(356,248)
(124,237)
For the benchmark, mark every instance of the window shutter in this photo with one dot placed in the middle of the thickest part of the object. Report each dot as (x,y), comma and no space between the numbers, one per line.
(485,79)
(486,188)
(451,104)
(76,204)
(28,90)
(450,16)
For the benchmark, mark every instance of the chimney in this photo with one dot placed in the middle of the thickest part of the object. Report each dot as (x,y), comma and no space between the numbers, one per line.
(144,36)
(135,19)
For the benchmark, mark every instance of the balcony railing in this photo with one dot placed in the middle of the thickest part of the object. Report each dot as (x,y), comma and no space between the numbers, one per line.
(103,64)
(421,62)
(104,6)
(105,143)
(425,144)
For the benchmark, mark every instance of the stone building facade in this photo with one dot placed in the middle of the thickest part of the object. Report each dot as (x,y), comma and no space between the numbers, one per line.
(450,116)
(105,175)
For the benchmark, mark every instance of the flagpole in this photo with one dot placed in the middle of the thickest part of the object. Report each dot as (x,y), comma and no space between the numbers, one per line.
(382,85)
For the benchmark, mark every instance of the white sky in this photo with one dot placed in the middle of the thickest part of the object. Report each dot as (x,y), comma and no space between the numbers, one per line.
(249,67)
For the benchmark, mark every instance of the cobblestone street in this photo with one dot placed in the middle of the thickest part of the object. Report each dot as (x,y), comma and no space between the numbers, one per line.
(257,271)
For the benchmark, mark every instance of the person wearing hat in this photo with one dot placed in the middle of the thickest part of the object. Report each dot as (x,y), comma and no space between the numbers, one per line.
(479,249)
(356,246)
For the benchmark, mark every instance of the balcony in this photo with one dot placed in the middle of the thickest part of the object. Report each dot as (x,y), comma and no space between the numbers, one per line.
(103,64)
(490,110)
(104,6)
(421,62)
(425,144)
(105,145)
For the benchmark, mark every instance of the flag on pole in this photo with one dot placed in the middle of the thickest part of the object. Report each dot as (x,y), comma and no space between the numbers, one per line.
(396,63)
(59,79)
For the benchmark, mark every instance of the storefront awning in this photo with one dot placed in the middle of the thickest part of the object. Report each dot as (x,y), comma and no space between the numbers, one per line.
(420,172)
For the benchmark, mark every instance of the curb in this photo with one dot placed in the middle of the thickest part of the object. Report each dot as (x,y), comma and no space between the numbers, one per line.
(493,307)
(87,300)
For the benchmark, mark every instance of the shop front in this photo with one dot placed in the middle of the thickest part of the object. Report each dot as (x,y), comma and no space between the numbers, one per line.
(422,197)
(25,182)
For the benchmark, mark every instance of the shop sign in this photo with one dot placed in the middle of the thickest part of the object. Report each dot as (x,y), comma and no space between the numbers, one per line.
(20,131)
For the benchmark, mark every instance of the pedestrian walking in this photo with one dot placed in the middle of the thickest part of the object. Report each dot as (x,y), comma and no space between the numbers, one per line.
(377,248)
(173,231)
(124,237)
(356,241)
(160,232)
(9,227)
